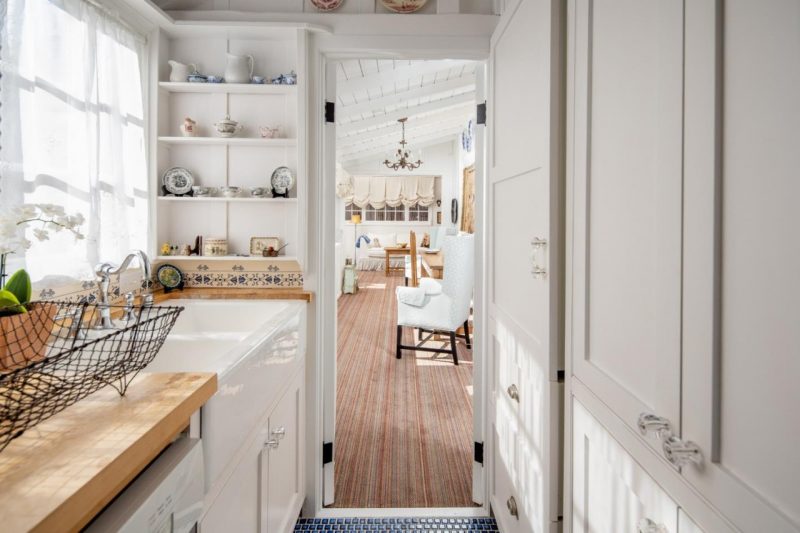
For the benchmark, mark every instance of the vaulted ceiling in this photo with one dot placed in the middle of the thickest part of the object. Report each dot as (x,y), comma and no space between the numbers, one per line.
(438,97)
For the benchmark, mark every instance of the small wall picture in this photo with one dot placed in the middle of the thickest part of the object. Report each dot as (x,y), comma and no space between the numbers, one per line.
(439,218)
(258,245)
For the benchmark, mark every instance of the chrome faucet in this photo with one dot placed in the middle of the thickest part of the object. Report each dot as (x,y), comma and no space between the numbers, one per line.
(104,272)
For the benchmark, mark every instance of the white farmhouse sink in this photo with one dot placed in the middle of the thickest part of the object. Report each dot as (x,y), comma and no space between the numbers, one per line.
(254,346)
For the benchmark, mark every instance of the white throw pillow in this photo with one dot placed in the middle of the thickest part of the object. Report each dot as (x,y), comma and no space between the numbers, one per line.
(386,239)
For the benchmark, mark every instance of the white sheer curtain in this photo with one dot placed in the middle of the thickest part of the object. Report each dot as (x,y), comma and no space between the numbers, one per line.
(380,191)
(73,130)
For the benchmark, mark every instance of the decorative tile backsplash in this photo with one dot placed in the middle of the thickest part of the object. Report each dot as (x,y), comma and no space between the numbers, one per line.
(238,274)
(226,274)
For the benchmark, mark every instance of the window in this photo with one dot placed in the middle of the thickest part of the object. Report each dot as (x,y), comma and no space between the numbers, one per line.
(418,213)
(386,214)
(350,210)
(73,130)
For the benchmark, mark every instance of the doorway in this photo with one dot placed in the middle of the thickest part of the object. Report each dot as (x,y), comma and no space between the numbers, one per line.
(405,429)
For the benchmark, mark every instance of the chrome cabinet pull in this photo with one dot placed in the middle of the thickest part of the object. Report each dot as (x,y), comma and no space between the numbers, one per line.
(538,242)
(513,392)
(272,444)
(512,507)
(681,453)
(648,526)
(649,422)
(538,271)
(278,432)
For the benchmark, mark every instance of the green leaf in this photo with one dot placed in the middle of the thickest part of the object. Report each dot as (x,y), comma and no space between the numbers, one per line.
(20,285)
(9,304)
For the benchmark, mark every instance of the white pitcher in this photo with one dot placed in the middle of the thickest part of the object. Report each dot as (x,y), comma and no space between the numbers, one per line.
(239,69)
(180,72)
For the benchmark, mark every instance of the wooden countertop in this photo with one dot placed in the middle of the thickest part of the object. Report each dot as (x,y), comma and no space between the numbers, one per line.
(244,294)
(59,474)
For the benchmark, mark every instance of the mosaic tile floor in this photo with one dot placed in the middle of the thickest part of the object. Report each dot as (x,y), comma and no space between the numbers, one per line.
(415,525)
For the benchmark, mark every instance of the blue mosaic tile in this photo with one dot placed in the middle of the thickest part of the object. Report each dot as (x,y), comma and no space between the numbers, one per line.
(408,524)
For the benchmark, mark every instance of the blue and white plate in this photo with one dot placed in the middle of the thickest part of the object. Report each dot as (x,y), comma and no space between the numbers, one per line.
(177,180)
(282,180)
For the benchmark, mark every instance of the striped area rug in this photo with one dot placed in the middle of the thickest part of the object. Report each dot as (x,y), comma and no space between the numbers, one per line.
(403,427)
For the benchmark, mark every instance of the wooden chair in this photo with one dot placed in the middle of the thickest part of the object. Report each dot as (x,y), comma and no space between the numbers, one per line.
(412,262)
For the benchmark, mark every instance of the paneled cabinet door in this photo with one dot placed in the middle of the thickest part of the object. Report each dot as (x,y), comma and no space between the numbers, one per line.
(610,491)
(741,261)
(281,464)
(625,179)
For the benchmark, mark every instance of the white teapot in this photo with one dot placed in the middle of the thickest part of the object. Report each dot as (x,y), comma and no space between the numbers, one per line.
(239,69)
(180,72)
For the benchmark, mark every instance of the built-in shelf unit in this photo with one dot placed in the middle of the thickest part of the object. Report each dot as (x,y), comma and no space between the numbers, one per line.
(246,160)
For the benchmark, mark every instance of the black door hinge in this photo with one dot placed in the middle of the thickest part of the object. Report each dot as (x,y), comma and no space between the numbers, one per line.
(560,375)
(327,452)
(330,112)
(479,452)
(482,113)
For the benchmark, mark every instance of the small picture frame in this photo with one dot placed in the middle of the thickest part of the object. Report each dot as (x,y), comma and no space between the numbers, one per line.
(259,244)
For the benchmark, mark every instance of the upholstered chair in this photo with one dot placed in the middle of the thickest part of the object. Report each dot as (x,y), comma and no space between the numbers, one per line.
(440,307)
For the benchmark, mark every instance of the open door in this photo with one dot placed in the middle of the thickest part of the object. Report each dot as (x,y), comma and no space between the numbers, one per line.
(328,305)
(524,221)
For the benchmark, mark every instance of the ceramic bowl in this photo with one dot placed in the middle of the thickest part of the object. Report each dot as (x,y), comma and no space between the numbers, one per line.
(230,192)
(259,192)
(215,79)
(201,191)
(197,78)
(259,79)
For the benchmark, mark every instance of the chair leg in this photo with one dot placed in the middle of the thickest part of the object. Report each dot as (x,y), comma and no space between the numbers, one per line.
(419,334)
(466,334)
(453,347)
(399,339)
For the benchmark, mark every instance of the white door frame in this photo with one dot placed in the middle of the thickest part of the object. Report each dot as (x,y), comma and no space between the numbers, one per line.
(321,275)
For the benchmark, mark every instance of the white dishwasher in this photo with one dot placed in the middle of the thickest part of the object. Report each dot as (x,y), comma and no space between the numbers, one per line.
(166,498)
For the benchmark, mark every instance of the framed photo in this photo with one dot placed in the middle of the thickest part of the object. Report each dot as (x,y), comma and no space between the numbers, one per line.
(259,244)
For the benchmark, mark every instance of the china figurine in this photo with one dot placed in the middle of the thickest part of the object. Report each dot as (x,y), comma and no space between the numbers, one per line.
(189,127)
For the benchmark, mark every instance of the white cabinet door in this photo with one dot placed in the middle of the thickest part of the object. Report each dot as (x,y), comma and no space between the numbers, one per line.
(525,258)
(742,259)
(610,491)
(624,169)
(282,463)
(686,525)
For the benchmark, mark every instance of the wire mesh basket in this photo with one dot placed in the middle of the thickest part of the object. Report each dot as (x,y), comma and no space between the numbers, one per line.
(53,356)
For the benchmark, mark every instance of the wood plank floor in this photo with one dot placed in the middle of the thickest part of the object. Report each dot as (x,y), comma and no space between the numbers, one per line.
(403,427)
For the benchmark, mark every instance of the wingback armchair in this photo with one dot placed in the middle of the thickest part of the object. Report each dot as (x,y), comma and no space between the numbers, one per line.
(440,307)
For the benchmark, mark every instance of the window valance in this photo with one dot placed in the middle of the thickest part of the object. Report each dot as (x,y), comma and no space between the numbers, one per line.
(382,191)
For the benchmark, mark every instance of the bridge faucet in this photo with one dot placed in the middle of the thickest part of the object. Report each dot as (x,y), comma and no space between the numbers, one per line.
(104,272)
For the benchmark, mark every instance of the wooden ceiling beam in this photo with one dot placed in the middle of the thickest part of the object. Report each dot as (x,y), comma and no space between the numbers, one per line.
(436,106)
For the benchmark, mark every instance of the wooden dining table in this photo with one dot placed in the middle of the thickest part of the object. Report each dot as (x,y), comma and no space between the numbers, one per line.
(433,264)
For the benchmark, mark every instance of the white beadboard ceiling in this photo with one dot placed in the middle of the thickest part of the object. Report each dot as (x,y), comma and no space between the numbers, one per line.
(438,97)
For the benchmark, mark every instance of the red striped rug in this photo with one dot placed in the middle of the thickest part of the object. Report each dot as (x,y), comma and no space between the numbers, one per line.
(403,427)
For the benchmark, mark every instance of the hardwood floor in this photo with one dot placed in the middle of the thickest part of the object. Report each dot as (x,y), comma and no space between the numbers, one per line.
(403,427)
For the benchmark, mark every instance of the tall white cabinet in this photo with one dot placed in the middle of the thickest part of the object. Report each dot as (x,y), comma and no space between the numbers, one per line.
(682,271)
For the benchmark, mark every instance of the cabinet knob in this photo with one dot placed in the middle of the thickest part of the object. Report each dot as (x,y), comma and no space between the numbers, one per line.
(272,444)
(649,422)
(538,242)
(278,432)
(648,526)
(513,392)
(681,453)
(512,507)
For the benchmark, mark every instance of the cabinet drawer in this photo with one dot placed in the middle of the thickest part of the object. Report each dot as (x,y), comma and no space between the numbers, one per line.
(610,491)
(507,505)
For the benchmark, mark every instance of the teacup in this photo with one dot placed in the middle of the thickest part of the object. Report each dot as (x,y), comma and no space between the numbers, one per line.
(259,79)
(270,133)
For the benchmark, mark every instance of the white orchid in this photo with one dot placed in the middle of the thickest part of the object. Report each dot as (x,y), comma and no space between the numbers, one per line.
(48,217)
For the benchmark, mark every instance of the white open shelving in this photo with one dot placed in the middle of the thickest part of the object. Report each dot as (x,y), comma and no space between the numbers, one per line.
(246,160)
(226,88)
(228,141)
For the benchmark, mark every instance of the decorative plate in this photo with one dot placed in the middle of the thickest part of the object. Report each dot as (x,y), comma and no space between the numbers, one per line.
(282,179)
(327,5)
(177,180)
(169,276)
(403,6)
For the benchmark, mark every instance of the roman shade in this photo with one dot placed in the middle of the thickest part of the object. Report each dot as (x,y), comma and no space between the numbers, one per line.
(382,191)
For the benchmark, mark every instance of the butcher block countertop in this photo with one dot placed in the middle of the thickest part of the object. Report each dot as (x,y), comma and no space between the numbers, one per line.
(237,294)
(59,474)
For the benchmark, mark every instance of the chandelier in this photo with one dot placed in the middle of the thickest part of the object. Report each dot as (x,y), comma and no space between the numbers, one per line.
(404,158)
